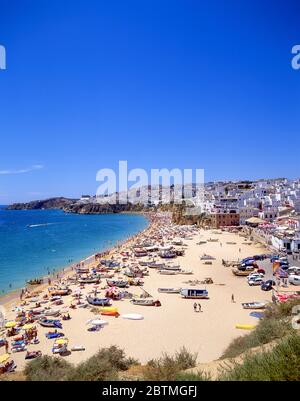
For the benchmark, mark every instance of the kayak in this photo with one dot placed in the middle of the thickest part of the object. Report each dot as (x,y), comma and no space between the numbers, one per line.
(109,311)
(245,326)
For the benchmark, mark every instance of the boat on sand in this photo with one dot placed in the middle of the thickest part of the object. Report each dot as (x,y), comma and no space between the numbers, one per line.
(98,301)
(145,302)
(254,305)
(117,283)
(169,290)
(194,293)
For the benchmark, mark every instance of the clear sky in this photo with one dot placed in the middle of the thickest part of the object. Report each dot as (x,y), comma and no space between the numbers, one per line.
(162,84)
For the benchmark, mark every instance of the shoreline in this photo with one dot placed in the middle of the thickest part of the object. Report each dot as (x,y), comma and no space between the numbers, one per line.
(207,334)
(12,296)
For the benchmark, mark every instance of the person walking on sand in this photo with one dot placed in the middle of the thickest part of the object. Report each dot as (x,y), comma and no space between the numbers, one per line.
(6,346)
(195,307)
(232,298)
(200,308)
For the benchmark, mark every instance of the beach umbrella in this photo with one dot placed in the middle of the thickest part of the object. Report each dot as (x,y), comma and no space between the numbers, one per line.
(27,326)
(61,341)
(8,325)
(18,309)
(4,358)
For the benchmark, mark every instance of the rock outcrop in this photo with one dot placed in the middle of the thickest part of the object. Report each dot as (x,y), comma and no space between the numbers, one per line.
(52,203)
(75,206)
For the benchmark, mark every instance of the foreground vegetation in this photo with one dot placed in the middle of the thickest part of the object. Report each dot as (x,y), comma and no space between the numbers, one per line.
(105,365)
(280,362)
(275,325)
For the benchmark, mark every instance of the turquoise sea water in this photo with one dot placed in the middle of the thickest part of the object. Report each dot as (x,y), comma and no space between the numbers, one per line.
(54,240)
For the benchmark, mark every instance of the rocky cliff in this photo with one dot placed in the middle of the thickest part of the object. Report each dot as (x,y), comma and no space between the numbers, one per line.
(52,203)
(74,206)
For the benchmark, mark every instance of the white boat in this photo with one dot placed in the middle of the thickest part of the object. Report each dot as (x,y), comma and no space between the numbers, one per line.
(194,293)
(171,267)
(185,272)
(254,305)
(168,272)
(207,257)
(169,290)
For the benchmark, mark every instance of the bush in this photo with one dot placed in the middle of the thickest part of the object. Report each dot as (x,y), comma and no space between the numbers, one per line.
(268,329)
(282,310)
(103,366)
(167,367)
(47,368)
(280,364)
(196,377)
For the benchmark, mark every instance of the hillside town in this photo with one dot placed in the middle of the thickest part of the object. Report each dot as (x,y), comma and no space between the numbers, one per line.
(268,208)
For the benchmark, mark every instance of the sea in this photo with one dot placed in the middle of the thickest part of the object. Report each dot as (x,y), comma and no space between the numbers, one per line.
(35,243)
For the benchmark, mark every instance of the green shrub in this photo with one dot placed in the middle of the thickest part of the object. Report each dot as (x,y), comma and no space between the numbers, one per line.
(197,377)
(167,367)
(102,366)
(268,329)
(282,363)
(47,368)
(282,310)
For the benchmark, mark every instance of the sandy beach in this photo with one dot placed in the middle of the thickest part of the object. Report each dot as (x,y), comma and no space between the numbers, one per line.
(174,324)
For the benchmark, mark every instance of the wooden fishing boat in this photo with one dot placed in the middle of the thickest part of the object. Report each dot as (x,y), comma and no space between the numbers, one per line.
(207,257)
(36,281)
(60,291)
(51,312)
(143,263)
(172,267)
(169,290)
(168,272)
(117,283)
(254,305)
(82,270)
(106,275)
(139,254)
(145,302)
(98,301)
(50,323)
(89,280)
(194,293)
(177,242)
(242,273)
(185,272)
(135,282)
(154,265)
(179,252)
(167,255)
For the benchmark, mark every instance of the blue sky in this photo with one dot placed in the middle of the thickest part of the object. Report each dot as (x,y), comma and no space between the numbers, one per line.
(162,84)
